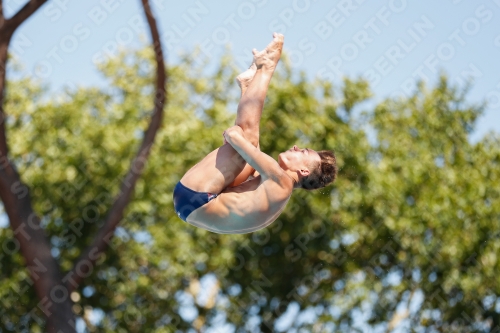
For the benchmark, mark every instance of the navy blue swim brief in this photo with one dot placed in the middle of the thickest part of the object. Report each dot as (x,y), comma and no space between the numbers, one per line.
(187,200)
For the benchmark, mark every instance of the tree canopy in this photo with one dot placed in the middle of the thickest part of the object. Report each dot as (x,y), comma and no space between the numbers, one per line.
(407,236)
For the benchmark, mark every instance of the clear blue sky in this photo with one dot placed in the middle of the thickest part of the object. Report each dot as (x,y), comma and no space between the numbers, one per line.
(392,42)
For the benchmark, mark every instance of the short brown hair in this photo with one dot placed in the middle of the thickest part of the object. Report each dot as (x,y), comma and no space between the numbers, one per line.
(322,174)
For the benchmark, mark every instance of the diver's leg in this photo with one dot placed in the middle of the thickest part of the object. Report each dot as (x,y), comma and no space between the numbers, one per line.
(252,99)
(250,111)
(224,167)
(253,94)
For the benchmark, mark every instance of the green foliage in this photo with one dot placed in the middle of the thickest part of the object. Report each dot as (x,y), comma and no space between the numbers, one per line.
(413,214)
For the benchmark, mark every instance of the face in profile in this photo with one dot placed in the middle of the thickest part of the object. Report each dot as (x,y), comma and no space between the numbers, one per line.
(299,158)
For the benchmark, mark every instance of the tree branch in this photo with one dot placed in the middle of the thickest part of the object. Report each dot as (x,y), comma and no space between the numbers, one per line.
(7,29)
(35,248)
(102,240)
(29,236)
(29,8)
(2,18)
(4,48)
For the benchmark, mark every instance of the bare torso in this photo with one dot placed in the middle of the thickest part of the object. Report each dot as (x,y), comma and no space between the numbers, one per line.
(248,207)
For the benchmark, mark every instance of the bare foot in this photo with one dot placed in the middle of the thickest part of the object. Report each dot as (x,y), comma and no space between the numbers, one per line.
(269,57)
(246,77)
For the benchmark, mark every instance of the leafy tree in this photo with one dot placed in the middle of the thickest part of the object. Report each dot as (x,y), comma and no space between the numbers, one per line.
(51,287)
(412,216)
(407,235)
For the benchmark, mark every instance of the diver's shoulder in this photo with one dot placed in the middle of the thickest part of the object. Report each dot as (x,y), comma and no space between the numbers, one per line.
(280,188)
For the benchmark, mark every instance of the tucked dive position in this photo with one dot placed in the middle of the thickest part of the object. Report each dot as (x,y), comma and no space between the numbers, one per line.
(237,188)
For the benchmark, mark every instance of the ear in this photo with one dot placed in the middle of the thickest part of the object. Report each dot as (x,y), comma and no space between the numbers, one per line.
(304,172)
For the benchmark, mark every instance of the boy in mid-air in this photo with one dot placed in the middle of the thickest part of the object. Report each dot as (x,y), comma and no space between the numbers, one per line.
(237,188)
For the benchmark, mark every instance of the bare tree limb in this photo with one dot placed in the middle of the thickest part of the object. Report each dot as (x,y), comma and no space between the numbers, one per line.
(2,18)
(29,8)
(35,248)
(29,236)
(115,215)
(4,48)
(7,29)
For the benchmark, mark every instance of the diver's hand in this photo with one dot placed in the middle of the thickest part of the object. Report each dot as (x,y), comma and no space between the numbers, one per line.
(232,132)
